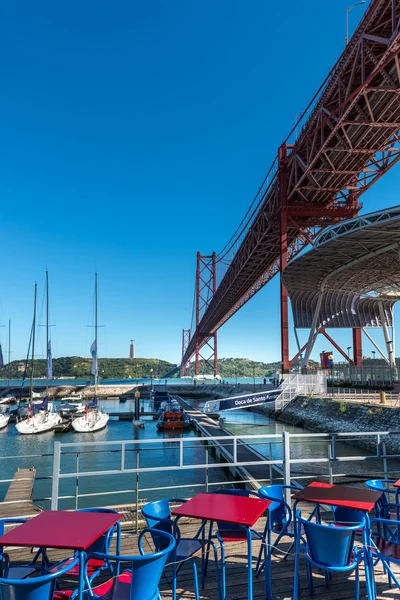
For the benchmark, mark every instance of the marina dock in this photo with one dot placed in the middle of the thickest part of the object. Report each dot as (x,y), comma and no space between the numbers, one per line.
(208,427)
(18,499)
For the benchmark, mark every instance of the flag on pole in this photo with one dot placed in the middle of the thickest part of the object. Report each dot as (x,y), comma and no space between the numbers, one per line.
(1,358)
(93,352)
(49,361)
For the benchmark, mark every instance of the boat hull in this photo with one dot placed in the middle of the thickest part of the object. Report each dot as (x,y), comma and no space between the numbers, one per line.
(39,423)
(93,421)
(4,421)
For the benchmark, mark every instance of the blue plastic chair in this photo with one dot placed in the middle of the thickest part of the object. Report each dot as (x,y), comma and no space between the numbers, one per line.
(141,580)
(328,548)
(385,502)
(95,566)
(227,532)
(386,546)
(280,517)
(23,570)
(158,518)
(34,588)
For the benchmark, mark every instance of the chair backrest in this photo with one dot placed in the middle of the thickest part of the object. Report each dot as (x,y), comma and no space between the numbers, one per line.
(330,546)
(146,571)
(158,516)
(277,508)
(35,588)
(382,485)
(103,543)
(347,516)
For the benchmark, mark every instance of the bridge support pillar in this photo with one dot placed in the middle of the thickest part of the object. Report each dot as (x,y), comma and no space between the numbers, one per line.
(185,368)
(284,303)
(206,287)
(357,347)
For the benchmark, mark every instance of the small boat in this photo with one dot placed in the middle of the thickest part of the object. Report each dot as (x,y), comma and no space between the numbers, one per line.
(173,420)
(65,425)
(4,418)
(8,400)
(94,419)
(39,422)
(67,409)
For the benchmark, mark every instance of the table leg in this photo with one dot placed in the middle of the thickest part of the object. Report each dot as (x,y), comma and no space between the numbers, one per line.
(250,565)
(81,574)
(369,565)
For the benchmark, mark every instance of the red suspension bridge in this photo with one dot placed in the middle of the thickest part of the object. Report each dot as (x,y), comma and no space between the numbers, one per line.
(349,140)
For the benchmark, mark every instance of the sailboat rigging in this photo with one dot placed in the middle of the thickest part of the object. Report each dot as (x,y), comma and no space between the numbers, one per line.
(40,418)
(94,419)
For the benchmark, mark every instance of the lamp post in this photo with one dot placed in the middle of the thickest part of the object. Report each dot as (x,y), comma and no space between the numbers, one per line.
(254,378)
(151,377)
(348,354)
(236,377)
(348,9)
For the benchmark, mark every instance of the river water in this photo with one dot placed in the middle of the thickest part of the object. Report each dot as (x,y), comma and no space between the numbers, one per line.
(36,451)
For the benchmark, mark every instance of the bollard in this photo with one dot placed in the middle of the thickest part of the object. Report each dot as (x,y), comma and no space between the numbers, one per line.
(383,397)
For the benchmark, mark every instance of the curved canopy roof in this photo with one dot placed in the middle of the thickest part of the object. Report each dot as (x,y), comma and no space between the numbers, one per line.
(356,267)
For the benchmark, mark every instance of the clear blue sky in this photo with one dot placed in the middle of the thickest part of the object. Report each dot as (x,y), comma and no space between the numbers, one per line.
(134,134)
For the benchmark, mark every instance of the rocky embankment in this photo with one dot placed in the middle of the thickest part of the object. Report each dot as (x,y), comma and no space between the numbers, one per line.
(326,415)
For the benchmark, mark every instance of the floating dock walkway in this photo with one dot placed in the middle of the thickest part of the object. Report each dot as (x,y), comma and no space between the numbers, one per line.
(18,500)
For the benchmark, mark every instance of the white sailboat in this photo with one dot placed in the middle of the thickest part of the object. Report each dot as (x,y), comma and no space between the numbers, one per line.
(40,418)
(94,419)
(4,418)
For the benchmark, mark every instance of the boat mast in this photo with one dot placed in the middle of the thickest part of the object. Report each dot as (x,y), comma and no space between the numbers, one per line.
(47,334)
(33,340)
(96,375)
(9,351)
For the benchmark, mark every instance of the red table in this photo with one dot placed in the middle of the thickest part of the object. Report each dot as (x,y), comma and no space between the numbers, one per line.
(339,495)
(64,530)
(347,497)
(227,508)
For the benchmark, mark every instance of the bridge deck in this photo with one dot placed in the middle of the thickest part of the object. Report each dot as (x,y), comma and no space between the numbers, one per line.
(341,588)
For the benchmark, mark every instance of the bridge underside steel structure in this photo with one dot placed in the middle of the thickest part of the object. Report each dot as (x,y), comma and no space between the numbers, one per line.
(350,278)
(349,140)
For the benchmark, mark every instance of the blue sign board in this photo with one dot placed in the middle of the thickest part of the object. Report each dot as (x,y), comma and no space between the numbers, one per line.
(236,402)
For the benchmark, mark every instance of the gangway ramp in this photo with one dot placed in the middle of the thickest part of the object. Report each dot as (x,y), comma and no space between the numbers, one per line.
(253,474)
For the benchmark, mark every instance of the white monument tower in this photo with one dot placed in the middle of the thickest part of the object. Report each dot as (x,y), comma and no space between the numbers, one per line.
(132,349)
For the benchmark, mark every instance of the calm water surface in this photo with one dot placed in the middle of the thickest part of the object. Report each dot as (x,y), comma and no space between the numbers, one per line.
(28,451)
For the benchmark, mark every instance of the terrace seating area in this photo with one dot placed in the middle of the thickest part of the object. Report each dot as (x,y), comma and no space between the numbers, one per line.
(338,542)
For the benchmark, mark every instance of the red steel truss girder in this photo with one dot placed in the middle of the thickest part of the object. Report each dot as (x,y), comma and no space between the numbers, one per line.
(350,140)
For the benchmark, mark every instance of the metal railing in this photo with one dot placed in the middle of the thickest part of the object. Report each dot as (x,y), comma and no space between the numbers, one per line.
(286,457)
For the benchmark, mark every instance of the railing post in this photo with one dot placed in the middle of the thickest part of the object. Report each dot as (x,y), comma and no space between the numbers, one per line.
(286,463)
(385,468)
(56,476)
(123,456)
(235,450)
(330,463)
(137,491)
(181,452)
(206,471)
(77,482)
(270,466)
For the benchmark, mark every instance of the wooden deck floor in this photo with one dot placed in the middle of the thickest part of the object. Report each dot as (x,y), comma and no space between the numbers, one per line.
(341,588)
